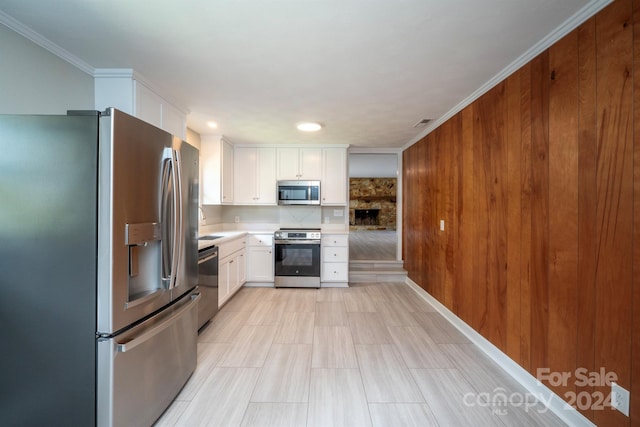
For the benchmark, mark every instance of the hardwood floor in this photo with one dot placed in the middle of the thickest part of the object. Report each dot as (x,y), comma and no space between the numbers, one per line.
(372,245)
(369,355)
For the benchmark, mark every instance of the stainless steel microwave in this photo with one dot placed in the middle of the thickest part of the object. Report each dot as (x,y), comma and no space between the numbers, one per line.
(298,192)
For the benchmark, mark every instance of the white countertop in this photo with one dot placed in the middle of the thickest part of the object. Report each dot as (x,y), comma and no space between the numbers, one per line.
(226,236)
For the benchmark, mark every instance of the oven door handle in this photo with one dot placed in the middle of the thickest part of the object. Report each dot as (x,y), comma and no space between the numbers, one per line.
(297,242)
(205,259)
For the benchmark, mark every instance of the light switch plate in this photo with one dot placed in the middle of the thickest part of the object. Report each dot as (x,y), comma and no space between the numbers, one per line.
(442,225)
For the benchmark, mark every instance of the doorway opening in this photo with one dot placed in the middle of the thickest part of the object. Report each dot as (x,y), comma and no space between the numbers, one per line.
(373,207)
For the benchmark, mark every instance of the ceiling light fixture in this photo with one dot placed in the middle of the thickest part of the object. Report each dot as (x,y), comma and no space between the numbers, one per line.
(212,125)
(309,127)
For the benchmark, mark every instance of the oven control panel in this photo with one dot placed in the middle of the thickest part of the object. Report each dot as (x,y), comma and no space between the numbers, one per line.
(297,235)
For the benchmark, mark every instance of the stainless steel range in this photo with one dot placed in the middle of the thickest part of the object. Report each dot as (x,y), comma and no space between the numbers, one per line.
(297,260)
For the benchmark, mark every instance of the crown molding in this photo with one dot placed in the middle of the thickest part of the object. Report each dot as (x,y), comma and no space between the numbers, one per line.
(375,150)
(126,73)
(565,28)
(45,43)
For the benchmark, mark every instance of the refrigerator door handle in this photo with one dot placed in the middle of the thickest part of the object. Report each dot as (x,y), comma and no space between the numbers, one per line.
(177,217)
(164,324)
(170,228)
(179,223)
(166,213)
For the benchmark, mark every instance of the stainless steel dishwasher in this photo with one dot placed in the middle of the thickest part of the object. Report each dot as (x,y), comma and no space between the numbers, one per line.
(208,284)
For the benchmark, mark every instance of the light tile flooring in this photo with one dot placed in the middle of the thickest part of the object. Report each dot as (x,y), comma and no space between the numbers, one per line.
(370,355)
(372,245)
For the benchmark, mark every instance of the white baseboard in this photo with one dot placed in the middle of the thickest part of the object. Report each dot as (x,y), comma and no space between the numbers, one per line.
(558,406)
(334,284)
(259,285)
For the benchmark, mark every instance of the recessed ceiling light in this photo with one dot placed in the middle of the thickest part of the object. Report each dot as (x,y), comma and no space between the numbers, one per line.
(212,125)
(309,127)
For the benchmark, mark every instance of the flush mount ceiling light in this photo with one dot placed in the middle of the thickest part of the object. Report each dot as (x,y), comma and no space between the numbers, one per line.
(212,125)
(309,127)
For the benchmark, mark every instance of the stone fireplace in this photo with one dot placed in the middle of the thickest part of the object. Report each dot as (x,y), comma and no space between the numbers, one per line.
(372,203)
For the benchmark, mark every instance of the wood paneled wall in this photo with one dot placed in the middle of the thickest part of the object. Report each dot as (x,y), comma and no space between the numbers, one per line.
(537,182)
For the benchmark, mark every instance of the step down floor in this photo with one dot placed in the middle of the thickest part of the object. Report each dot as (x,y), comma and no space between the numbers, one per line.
(376,271)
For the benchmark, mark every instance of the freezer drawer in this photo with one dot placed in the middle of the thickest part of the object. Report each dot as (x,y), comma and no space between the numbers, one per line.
(141,370)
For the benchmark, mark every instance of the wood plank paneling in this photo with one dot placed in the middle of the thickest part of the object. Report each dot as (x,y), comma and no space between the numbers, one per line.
(635,304)
(436,177)
(489,171)
(614,187)
(525,216)
(447,177)
(563,207)
(513,145)
(539,210)
(465,217)
(587,151)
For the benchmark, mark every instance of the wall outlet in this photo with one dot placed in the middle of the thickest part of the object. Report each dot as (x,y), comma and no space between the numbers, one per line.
(337,212)
(237,219)
(620,398)
(327,220)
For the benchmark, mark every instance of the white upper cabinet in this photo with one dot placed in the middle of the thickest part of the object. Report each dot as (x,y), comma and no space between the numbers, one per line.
(216,170)
(333,189)
(255,176)
(122,89)
(228,164)
(299,163)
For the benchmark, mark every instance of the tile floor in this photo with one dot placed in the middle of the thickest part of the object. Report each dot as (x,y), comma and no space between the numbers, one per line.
(370,355)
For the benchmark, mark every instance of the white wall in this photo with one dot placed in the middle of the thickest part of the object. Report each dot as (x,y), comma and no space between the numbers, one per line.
(34,81)
(373,165)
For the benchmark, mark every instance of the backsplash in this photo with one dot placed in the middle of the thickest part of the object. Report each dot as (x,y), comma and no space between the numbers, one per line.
(249,217)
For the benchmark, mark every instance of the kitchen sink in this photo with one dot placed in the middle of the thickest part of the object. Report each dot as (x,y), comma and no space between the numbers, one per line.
(209,237)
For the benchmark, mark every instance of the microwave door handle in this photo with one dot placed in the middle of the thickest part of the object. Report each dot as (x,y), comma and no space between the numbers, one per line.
(166,196)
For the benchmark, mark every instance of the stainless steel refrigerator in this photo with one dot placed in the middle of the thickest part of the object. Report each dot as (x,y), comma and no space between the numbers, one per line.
(98,269)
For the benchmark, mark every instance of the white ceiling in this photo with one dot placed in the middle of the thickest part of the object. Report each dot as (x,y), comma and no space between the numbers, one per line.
(368,70)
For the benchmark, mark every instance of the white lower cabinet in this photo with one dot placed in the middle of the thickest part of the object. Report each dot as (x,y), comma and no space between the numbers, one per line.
(335,259)
(260,258)
(231,268)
